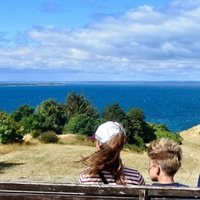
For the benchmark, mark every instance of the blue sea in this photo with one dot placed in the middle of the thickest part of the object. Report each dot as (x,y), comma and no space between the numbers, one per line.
(175,104)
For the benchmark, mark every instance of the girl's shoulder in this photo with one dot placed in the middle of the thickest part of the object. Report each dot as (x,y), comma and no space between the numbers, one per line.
(133,176)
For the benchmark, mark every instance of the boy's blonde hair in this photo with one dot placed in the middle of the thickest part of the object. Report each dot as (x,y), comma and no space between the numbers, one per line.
(167,154)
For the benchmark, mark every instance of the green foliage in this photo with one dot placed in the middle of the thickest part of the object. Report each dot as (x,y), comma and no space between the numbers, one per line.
(77,115)
(21,112)
(77,104)
(50,115)
(81,124)
(159,127)
(83,117)
(81,137)
(136,114)
(9,130)
(29,123)
(36,133)
(114,113)
(137,128)
(138,141)
(160,130)
(48,137)
(134,125)
(135,148)
(149,133)
(172,136)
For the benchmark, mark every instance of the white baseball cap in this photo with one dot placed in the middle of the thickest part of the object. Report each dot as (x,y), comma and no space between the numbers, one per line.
(108,130)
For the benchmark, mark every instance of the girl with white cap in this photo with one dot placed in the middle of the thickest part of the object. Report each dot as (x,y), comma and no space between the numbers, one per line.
(105,166)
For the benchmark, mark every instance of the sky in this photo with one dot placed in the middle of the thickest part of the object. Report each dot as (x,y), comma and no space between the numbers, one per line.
(98,40)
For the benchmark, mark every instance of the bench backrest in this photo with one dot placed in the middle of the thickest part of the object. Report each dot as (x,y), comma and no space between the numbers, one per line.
(64,191)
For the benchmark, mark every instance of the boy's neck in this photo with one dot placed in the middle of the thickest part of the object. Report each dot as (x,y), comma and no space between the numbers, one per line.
(165,179)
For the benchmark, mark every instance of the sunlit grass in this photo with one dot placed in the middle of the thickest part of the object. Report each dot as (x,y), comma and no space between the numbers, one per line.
(7,148)
(75,139)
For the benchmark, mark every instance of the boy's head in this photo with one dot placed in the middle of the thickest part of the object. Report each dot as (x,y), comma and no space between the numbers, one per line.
(165,156)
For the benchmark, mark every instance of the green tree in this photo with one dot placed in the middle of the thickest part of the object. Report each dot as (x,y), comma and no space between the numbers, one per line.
(30,123)
(114,113)
(136,114)
(81,124)
(149,133)
(9,129)
(137,127)
(77,104)
(135,123)
(50,115)
(22,111)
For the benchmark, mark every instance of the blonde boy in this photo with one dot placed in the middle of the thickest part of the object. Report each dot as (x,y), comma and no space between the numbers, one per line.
(165,157)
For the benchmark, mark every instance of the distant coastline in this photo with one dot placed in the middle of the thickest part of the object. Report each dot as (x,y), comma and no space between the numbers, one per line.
(54,83)
(31,83)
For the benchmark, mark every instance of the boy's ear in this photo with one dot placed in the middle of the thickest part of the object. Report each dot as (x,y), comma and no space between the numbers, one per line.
(158,170)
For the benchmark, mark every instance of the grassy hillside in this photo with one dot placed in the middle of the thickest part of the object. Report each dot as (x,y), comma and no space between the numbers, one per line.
(56,162)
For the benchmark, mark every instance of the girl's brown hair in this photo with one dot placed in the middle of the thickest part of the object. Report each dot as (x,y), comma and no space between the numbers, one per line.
(107,158)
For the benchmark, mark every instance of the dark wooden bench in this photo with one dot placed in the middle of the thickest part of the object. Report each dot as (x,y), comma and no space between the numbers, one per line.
(64,191)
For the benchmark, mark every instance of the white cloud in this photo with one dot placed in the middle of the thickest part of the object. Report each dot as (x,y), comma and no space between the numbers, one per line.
(146,42)
(180,5)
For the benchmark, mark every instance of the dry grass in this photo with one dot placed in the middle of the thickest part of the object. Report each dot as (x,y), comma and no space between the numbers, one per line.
(47,162)
(192,135)
(4,149)
(191,150)
(56,162)
(75,139)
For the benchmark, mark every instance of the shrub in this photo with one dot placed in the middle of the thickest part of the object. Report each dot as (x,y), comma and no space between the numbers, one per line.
(176,137)
(161,130)
(9,130)
(137,144)
(81,124)
(48,137)
(81,138)
(36,133)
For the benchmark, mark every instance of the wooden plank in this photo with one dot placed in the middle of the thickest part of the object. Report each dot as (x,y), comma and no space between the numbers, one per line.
(20,195)
(173,192)
(72,188)
(52,197)
(45,191)
(171,198)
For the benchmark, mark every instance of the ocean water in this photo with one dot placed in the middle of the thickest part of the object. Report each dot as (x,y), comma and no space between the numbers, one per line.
(175,104)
